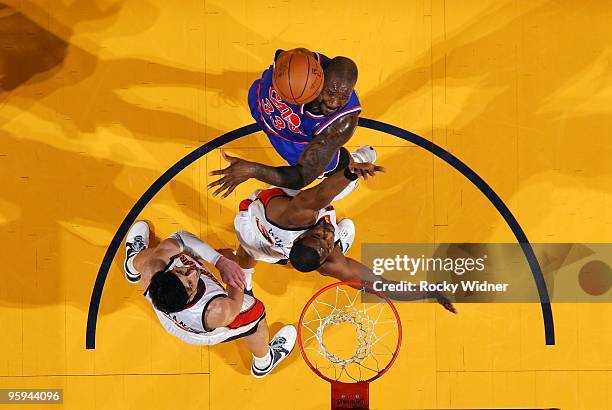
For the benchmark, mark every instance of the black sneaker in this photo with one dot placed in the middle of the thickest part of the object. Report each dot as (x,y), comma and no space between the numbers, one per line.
(280,347)
(136,240)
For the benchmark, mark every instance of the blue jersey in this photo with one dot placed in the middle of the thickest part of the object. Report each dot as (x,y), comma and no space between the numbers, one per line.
(290,127)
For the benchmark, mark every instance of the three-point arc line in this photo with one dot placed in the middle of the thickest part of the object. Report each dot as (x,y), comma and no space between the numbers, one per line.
(96,295)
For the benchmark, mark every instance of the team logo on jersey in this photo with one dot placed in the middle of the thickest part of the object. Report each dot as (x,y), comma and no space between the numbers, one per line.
(263,232)
(277,241)
(269,235)
(287,118)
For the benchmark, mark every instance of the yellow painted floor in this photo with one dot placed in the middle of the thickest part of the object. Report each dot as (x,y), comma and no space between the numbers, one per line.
(98,98)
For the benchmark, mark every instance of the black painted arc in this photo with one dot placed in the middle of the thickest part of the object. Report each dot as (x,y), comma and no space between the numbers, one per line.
(521,237)
(96,296)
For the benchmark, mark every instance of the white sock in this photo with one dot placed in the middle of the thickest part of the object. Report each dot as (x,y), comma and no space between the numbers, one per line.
(248,276)
(262,363)
(130,265)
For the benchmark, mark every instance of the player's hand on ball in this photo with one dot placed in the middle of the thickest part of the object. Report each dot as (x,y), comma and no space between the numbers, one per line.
(365,169)
(231,273)
(239,171)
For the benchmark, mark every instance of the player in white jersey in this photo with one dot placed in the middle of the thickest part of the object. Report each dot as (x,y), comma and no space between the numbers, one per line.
(277,225)
(269,241)
(191,303)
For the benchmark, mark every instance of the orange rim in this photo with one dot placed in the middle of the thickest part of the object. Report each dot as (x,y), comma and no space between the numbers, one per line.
(379,294)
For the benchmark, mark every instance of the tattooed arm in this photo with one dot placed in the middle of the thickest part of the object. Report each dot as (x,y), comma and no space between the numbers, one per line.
(312,162)
(320,151)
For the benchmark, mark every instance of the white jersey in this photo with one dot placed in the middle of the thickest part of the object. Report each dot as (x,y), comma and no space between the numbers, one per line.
(264,240)
(188,324)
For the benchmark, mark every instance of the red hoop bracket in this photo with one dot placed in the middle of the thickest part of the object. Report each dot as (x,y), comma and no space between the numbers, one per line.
(350,395)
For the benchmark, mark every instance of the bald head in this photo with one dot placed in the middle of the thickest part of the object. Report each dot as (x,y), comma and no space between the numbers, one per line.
(342,69)
(340,79)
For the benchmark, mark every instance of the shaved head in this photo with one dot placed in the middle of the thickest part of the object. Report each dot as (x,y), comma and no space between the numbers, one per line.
(340,79)
(342,69)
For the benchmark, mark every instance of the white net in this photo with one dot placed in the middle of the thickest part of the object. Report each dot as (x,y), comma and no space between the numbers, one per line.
(347,339)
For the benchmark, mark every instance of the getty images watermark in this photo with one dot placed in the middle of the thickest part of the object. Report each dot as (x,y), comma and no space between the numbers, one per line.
(412,265)
(482,273)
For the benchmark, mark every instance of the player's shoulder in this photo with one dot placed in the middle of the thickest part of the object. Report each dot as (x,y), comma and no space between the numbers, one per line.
(351,108)
(217,313)
(344,121)
(277,206)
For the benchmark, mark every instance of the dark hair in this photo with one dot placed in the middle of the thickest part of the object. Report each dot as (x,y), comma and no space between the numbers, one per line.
(303,258)
(168,292)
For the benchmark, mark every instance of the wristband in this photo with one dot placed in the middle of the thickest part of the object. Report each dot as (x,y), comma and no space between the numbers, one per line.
(191,244)
(350,175)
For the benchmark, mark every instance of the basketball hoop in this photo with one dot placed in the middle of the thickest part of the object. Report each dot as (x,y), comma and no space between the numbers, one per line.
(348,342)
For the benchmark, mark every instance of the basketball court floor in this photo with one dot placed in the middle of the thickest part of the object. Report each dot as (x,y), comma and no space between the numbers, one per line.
(99,98)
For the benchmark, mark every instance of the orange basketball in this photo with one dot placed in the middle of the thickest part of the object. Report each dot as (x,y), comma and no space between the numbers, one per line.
(297,77)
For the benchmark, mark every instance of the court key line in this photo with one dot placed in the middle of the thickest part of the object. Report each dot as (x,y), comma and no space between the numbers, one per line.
(130,218)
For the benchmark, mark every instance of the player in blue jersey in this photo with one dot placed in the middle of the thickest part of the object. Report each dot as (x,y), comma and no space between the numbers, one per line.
(308,136)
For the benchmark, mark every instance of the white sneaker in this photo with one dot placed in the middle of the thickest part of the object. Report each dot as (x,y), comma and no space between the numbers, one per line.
(136,240)
(364,153)
(280,347)
(346,231)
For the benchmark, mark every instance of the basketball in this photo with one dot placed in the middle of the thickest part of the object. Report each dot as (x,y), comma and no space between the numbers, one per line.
(297,77)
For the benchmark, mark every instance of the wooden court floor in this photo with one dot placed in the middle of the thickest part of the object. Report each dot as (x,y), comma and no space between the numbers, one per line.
(99,98)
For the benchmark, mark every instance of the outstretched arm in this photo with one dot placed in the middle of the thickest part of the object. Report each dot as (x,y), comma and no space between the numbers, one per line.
(312,162)
(321,195)
(320,151)
(346,269)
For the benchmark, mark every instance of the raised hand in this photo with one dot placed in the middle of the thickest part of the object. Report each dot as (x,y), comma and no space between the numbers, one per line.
(239,171)
(365,169)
